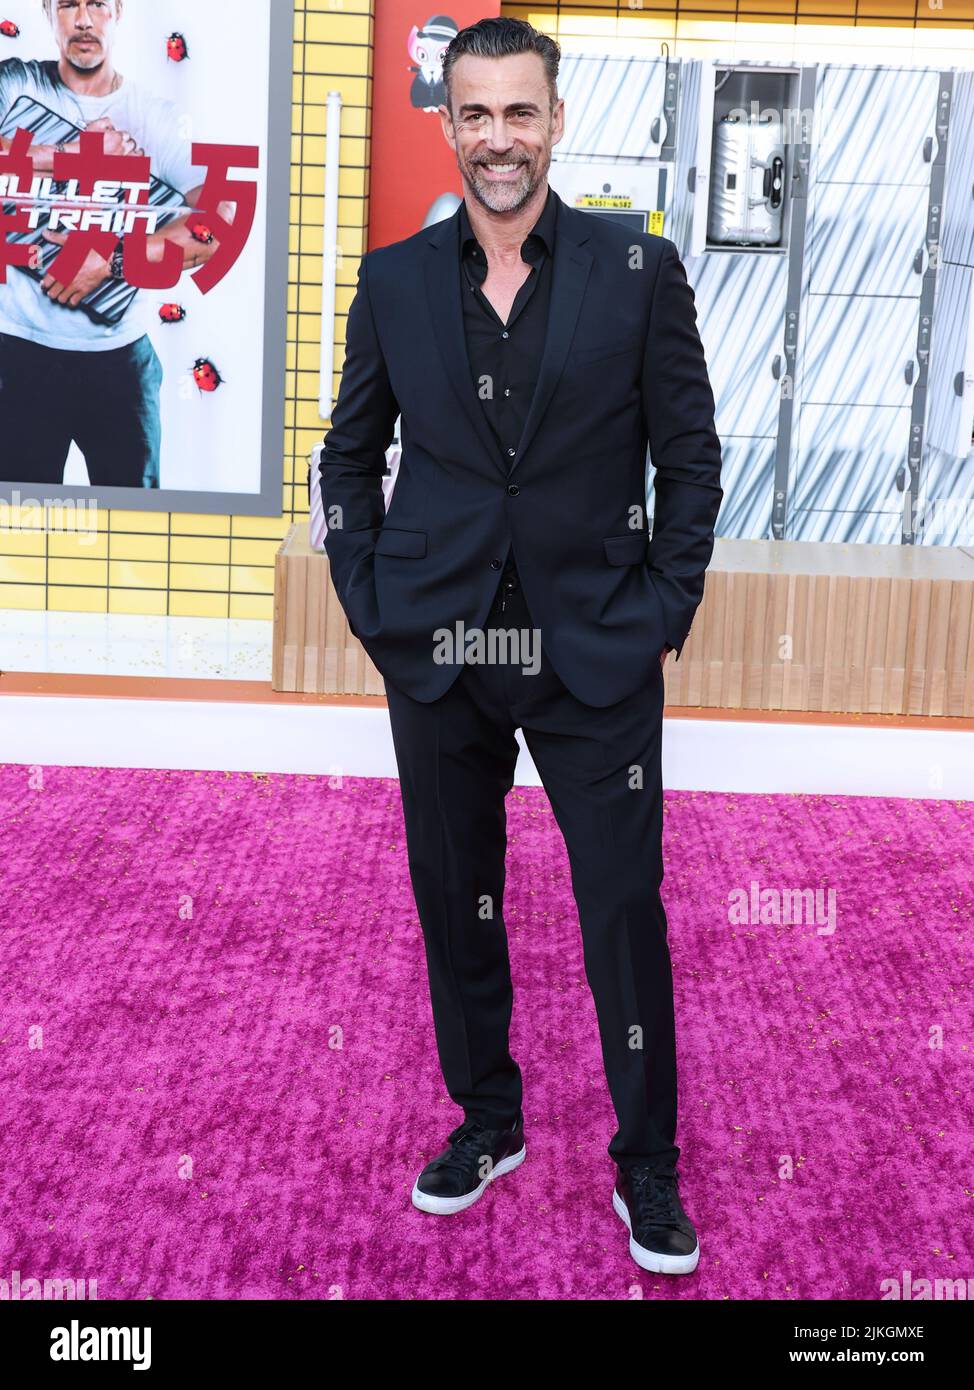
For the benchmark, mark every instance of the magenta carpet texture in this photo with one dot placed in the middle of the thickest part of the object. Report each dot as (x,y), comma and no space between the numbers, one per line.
(219,1076)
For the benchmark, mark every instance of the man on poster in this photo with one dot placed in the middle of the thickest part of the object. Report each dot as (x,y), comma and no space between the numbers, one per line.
(63,376)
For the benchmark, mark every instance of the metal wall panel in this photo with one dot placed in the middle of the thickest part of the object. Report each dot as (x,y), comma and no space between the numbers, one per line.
(872,125)
(613,107)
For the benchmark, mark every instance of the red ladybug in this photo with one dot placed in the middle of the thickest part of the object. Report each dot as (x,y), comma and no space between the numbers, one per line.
(176,48)
(206,376)
(172,313)
(201,232)
(9,29)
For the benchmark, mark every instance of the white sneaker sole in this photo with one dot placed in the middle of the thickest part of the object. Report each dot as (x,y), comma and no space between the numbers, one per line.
(649,1259)
(447,1206)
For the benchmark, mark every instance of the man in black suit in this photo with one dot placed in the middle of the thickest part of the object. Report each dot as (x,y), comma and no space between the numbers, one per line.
(533,352)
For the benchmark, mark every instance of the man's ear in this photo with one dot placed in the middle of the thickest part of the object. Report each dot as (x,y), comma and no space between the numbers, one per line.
(558,121)
(446,122)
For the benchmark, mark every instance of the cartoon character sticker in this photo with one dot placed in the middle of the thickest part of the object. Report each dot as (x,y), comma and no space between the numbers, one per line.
(426,47)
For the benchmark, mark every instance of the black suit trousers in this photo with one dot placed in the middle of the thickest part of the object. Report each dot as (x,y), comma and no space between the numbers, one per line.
(600,768)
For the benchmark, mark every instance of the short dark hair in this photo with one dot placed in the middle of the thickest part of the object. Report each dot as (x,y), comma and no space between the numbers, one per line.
(499,38)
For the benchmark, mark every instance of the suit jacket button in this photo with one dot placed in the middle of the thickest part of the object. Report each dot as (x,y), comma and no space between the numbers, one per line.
(496,564)
(513,490)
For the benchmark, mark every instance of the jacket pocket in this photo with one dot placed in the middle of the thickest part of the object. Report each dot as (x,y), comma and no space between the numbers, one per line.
(631,549)
(393,541)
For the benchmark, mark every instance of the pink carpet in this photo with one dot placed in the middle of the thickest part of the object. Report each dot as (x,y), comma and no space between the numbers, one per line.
(219,1074)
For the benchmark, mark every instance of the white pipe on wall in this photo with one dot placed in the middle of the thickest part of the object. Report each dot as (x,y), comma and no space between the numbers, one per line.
(329,268)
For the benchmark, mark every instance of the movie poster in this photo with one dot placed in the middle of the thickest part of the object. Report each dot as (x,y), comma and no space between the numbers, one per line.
(144,184)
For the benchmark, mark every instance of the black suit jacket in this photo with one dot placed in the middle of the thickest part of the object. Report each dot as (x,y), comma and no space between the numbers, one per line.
(623,367)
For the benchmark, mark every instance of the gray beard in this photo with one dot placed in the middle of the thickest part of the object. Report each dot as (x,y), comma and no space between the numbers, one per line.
(479,191)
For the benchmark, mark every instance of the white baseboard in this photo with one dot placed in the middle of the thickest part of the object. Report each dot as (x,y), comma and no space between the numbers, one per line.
(698,754)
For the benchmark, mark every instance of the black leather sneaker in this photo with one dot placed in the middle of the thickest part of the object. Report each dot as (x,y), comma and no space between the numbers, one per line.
(662,1237)
(474,1157)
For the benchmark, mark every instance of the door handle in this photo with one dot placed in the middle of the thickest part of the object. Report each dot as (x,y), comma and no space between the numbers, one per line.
(773,182)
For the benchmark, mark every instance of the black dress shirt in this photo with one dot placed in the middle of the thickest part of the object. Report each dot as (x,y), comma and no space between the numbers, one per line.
(505,358)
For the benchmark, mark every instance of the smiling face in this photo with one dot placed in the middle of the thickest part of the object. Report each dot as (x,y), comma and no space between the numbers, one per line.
(502,128)
(85,30)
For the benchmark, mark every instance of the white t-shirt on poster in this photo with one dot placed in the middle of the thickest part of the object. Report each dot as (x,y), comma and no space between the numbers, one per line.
(156,126)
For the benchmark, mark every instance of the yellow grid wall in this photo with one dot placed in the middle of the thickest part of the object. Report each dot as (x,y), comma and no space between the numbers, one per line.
(720,18)
(223,566)
(890,32)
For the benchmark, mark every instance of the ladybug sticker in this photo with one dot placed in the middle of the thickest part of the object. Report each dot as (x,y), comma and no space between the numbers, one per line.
(199,231)
(172,313)
(205,375)
(176,48)
(9,29)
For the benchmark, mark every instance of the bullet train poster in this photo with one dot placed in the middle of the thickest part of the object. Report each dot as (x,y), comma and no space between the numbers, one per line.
(144,185)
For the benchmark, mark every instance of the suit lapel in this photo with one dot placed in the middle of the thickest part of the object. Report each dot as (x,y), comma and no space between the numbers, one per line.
(443,297)
(570,270)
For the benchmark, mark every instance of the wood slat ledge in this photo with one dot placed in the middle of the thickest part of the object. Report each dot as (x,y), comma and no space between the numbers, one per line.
(788,626)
